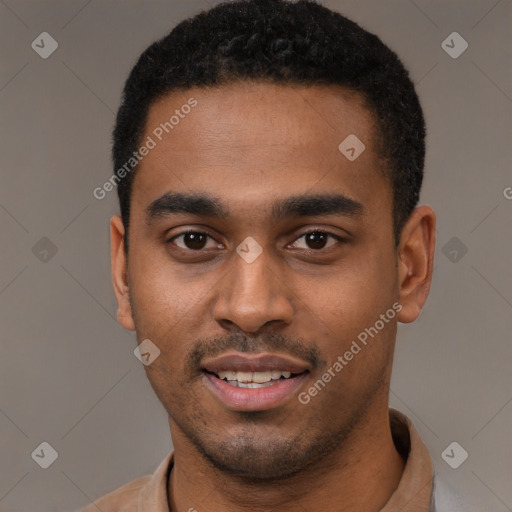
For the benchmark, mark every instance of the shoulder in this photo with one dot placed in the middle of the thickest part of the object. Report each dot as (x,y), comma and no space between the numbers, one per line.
(145,494)
(446,498)
(124,499)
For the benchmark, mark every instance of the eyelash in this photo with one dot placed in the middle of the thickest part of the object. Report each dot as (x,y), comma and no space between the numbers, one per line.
(338,238)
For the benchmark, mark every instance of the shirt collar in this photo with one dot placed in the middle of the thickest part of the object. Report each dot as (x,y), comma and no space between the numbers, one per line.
(415,489)
(153,496)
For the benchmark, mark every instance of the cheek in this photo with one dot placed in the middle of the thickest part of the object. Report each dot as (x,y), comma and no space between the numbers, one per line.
(165,311)
(356,294)
(348,309)
(157,290)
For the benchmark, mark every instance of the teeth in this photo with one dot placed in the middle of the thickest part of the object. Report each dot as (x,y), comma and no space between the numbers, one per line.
(253,377)
(252,385)
(243,377)
(261,377)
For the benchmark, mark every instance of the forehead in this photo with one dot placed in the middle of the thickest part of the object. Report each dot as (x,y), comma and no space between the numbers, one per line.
(259,139)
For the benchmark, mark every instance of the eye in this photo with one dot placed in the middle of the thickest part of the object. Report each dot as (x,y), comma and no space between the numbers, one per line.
(316,240)
(195,241)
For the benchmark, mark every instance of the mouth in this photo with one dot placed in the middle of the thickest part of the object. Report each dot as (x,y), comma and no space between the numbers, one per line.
(254,382)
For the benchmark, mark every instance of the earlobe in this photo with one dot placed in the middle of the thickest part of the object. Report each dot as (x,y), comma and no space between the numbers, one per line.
(119,273)
(415,262)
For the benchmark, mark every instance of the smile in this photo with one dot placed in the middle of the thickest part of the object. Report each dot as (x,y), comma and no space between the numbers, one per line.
(254,380)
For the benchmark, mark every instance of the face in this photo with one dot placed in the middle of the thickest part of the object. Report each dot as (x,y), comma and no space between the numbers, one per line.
(258,255)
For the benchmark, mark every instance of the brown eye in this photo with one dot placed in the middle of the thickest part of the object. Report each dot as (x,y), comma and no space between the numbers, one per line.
(316,240)
(194,241)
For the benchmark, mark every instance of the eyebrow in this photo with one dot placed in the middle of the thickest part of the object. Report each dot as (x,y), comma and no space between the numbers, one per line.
(204,205)
(314,205)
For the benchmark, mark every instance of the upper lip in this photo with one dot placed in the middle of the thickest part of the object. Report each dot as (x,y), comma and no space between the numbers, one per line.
(254,363)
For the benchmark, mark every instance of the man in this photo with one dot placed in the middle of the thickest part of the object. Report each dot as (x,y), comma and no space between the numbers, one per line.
(269,158)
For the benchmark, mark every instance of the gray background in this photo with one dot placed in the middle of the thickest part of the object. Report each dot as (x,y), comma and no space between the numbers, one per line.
(68,375)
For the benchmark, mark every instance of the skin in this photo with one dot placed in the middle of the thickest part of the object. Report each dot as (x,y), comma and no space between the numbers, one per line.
(249,145)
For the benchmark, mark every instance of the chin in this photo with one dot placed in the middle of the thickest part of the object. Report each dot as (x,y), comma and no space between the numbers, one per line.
(258,463)
(265,457)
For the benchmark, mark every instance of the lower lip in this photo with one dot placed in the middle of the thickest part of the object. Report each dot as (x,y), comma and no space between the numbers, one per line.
(254,399)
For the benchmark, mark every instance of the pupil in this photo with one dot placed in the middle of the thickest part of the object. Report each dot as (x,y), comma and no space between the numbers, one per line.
(316,240)
(195,240)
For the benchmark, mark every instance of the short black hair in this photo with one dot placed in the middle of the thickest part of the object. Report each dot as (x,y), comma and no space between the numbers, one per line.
(291,43)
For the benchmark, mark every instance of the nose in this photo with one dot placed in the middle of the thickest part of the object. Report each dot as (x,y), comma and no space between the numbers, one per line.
(253,296)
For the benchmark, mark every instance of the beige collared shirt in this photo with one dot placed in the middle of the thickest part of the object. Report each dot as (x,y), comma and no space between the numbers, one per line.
(413,494)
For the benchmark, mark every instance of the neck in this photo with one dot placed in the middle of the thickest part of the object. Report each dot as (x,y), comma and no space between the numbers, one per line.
(359,476)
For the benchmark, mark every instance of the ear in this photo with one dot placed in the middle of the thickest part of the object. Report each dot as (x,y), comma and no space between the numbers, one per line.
(120,274)
(415,262)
